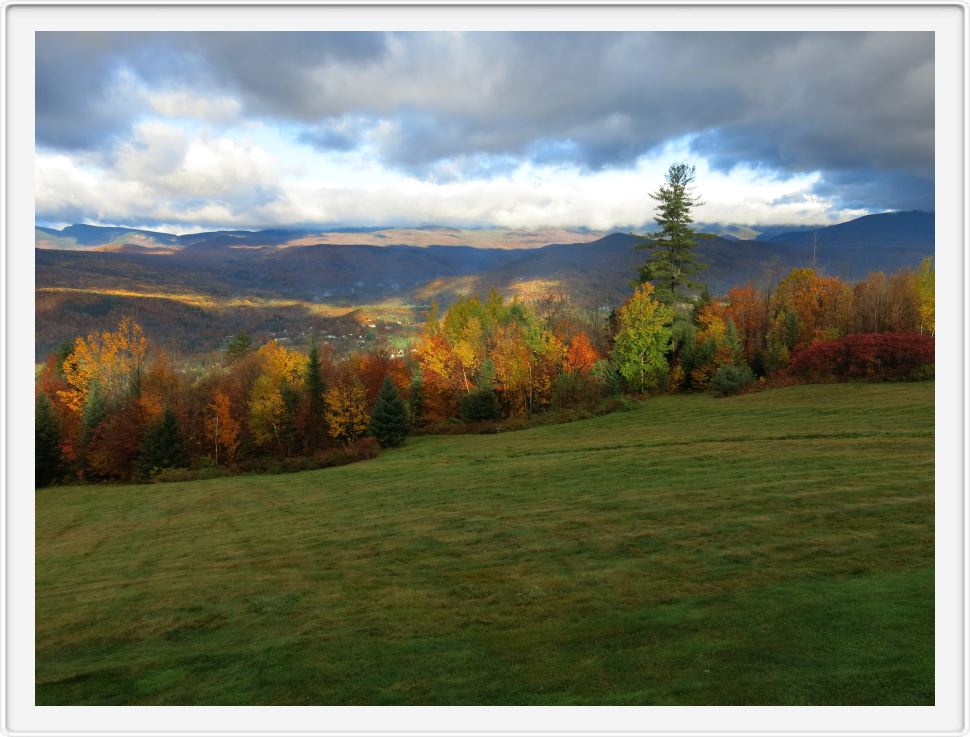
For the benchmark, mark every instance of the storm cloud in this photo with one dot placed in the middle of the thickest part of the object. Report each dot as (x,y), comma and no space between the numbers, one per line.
(858,108)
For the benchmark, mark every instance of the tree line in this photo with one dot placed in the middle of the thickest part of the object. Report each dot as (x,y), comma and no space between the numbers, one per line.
(113,406)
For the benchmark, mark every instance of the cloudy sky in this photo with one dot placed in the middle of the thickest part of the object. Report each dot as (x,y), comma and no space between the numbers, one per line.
(187,131)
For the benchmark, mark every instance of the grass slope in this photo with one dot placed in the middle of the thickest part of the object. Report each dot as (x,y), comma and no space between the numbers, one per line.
(774,548)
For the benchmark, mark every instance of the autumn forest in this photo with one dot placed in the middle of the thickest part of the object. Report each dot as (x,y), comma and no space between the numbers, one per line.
(115,406)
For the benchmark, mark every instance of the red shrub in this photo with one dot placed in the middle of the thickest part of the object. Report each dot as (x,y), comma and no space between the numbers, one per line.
(874,356)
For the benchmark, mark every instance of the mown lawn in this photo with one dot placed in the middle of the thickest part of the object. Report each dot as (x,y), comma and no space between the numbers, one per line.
(775,548)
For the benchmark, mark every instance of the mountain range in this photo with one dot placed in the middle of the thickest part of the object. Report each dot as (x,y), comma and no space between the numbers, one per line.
(86,275)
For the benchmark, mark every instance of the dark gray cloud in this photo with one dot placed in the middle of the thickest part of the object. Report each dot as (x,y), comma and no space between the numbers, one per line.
(90,86)
(77,80)
(790,102)
(893,190)
(835,101)
(274,73)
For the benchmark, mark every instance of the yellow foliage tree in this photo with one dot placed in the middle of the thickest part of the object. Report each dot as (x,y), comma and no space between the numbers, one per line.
(926,287)
(347,411)
(282,364)
(513,368)
(266,410)
(114,359)
(281,373)
(468,350)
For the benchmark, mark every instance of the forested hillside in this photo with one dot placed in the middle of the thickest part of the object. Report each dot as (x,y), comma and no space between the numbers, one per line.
(216,284)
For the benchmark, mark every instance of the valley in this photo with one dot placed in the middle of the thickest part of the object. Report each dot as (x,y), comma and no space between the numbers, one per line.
(193,291)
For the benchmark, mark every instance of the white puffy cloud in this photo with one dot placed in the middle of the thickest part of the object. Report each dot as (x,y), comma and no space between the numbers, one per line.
(162,174)
(176,163)
(193,179)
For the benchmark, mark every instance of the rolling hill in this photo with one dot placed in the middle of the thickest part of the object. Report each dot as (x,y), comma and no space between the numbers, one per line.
(884,242)
(87,276)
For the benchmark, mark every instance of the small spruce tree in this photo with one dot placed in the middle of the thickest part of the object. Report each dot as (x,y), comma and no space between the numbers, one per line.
(730,379)
(47,443)
(389,421)
(480,404)
(162,446)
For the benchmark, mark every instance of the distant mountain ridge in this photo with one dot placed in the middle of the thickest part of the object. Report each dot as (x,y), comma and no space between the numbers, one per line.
(138,271)
(897,229)
(98,238)
(600,270)
(889,229)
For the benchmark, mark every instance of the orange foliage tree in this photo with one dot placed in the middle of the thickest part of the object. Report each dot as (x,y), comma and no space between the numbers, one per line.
(374,365)
(822,304)
(512,360)
(223,427)
(582,355)
(444,381)
(747,307)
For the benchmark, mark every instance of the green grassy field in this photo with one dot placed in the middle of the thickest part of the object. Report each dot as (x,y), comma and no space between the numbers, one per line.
(774,548)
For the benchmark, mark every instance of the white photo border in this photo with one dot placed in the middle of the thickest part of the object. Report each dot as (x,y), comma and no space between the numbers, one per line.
(20,20)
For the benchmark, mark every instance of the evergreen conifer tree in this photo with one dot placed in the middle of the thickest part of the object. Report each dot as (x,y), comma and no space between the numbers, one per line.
(389,421)
(672,264)
(416,399)
(238,346)
(480,404)
(315,389)
(47,442)
(162,446)
(95,412)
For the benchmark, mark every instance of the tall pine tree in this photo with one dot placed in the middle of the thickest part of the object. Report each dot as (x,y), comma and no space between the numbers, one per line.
(389,421)
(672,264)
(47,442)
